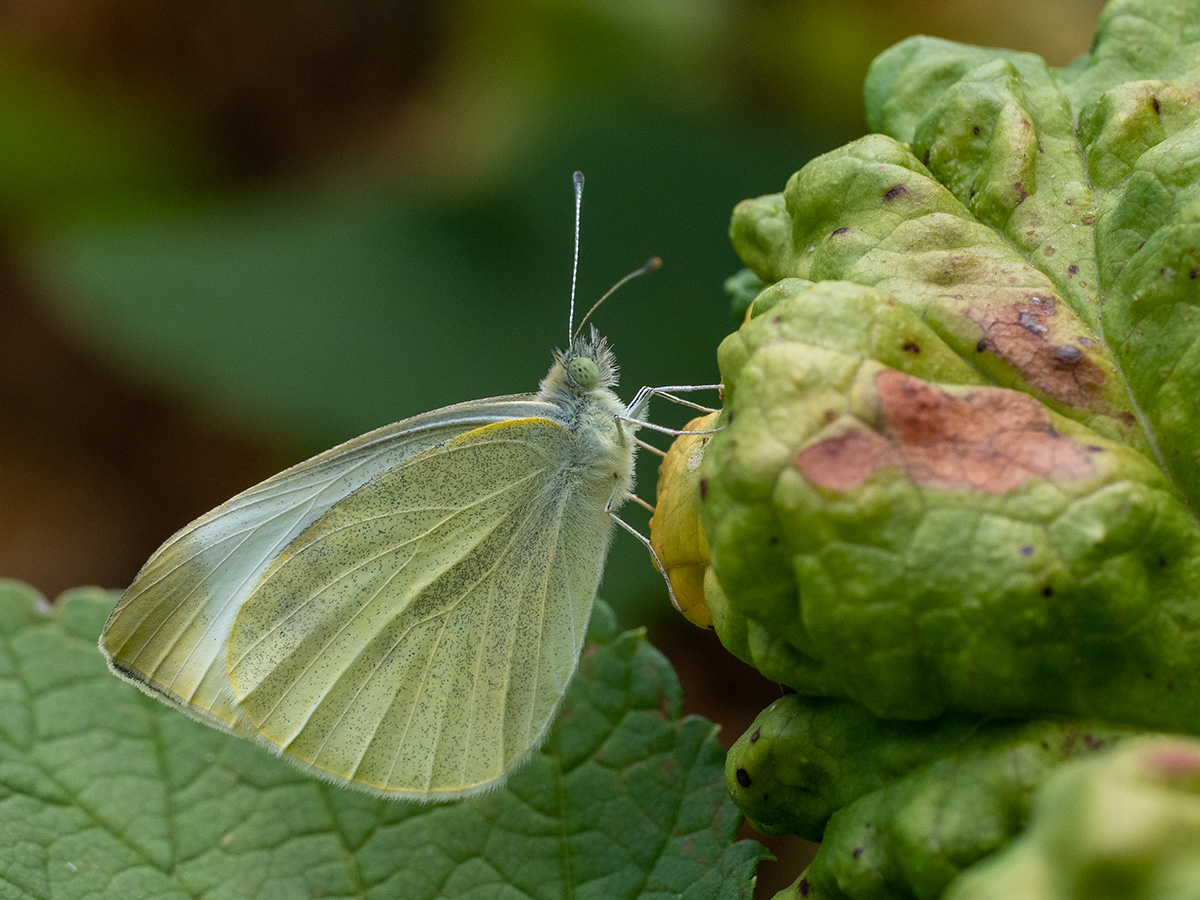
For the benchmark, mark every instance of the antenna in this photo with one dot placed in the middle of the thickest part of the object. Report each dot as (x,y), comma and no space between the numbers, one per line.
(578,179)
(648,266)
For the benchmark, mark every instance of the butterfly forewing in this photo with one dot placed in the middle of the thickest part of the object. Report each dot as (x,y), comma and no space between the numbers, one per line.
(418,637)
(169,633)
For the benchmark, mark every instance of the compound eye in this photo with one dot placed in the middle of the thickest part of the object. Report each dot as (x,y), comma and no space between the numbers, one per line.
(584,372)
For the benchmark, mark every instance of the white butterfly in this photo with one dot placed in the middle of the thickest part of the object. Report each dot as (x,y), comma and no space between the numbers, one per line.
(402,613)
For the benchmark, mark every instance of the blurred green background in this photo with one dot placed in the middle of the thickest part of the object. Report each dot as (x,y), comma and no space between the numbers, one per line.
(236,234)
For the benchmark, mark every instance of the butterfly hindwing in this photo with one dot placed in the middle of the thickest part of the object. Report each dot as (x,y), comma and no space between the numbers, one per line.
(418,636)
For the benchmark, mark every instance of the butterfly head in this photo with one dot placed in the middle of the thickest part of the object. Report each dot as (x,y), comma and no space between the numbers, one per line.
(588,366)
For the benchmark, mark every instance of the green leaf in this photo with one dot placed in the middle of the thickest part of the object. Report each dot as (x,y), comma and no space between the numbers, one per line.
(960,467)
(104,790)
(1124,825)
(806,758)
(954,504)
(901,808)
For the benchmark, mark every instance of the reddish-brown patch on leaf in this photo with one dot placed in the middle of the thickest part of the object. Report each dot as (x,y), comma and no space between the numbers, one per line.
(990,439)
(845,461)
(1173,760)
(1023,334)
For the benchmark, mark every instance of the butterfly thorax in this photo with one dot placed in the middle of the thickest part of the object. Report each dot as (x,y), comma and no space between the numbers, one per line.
(603,461)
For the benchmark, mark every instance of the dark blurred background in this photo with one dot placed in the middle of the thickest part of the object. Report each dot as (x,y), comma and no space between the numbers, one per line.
(234,234)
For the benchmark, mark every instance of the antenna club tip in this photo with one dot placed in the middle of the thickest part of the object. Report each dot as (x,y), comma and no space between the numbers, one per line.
(650,265)
(577,177)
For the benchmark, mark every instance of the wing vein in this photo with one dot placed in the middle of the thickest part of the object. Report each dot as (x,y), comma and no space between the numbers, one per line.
(363,563)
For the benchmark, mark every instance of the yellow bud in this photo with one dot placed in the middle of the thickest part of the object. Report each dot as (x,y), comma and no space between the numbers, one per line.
(676,533)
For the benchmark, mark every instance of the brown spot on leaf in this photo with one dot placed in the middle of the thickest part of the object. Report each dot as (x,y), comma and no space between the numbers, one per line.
(910,347)
(1023,334)
(894,192)
(841,230)
(1072,269)
(743,777)
(1049,251)
(1173,760)
(989,439)
(757,734)
(1020,189)
(845,461)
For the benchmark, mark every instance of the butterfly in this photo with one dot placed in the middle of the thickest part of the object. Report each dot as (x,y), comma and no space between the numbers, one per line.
(402,613)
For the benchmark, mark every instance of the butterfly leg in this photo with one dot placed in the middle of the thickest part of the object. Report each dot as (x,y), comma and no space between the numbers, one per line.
(650,447)
(663,429)
(645,542)
(641,400)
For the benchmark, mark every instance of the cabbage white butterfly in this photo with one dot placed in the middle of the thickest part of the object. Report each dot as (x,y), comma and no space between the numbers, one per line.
(402,613)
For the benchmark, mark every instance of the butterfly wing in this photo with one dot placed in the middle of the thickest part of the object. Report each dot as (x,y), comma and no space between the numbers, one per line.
(169,633)
(418,637)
